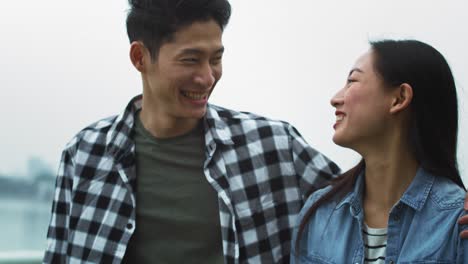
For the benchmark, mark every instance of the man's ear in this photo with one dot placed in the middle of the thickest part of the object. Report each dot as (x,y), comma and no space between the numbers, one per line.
(402,97)
(137,55)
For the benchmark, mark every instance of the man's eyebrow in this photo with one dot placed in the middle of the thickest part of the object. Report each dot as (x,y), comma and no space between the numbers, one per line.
(355,69)
(193,51)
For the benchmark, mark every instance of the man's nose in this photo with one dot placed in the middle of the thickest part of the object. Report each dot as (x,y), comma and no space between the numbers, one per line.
(205,76)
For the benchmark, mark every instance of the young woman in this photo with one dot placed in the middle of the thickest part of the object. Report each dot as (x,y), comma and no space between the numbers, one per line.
(401,203)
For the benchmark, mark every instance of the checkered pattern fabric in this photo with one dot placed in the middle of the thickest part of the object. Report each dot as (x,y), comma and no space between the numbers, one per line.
(260,168)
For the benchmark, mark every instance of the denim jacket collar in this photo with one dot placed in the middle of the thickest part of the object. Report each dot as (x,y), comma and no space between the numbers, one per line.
(418,192)
(354,198)
(415,196)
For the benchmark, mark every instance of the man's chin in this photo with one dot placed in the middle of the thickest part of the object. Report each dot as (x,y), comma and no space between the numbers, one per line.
(197,114)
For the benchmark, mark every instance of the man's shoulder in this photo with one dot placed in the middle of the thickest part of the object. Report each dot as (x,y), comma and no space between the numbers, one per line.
(232,117)
(93,134)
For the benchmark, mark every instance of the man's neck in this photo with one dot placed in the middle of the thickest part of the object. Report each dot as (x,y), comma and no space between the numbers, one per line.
(165,126)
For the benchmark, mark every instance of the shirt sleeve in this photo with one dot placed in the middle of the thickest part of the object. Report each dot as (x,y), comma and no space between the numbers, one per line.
(57,235)
(313,168)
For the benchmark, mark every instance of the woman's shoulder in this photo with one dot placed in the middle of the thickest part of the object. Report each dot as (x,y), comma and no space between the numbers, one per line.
(436,218)
(447,195)
(325,208)
(315,196)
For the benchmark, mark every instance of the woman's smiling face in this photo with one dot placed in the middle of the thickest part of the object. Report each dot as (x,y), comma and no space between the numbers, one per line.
(362,106)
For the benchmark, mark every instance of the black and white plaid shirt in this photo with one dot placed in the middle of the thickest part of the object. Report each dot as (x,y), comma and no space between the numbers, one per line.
(260,168)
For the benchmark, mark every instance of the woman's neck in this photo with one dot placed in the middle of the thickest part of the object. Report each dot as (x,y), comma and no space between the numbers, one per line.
(387,176)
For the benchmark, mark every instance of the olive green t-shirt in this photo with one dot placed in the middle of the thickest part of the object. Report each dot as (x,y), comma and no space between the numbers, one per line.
(177,215)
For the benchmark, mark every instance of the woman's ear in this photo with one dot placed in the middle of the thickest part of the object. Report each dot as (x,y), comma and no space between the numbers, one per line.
(137,55)
(402,97)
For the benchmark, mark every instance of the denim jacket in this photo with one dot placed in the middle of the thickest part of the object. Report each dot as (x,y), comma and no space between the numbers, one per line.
(422,226)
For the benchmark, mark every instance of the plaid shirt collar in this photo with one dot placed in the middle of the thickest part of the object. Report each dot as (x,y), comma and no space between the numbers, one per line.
(118,140)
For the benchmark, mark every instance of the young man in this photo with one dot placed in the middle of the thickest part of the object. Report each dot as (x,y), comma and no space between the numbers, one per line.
(174,179)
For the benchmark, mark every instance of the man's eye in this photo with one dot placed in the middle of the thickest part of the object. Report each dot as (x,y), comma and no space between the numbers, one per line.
(191,60)
(216,60)
(350,80)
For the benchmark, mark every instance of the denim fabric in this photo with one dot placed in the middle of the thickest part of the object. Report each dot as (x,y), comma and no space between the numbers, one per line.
(422,226)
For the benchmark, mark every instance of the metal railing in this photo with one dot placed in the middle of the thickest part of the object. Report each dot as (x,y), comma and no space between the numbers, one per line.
(21,257)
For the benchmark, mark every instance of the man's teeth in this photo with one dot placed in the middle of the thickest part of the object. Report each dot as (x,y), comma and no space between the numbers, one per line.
(339,117)
(194,96)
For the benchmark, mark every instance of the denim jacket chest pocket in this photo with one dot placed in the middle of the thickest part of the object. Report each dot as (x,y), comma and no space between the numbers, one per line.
(435,241)
(332,225)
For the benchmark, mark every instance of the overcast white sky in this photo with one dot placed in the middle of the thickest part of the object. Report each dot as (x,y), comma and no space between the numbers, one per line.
(64,64)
